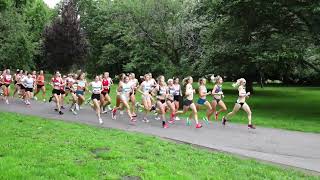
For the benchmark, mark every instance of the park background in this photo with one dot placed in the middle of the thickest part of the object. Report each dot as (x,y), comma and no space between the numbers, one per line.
(262,41)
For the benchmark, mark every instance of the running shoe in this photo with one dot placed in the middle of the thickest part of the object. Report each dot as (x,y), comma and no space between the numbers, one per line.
(56,109)
(145,120)
(177,118)
(62,107)
(100,121)
(250,126)
(121,113)
(44,100)
(205,119)
(77,107)
(171,121)
(188,122)
(50,99)
(104,112)
(198,125)
(73,112)
(35,98)
(28,103)
(165,126)
(109,108)
(224,120)
(60,112)
(7,101)
(113,114)
(157,118)
(133,119)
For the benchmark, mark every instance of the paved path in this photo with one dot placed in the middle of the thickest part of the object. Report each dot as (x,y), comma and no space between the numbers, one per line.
(301,150)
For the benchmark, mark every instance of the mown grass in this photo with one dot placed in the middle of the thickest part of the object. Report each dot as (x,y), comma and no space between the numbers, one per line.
(36,148)
(291,108)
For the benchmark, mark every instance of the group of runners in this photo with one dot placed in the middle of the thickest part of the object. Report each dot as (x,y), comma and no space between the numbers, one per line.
(158,96)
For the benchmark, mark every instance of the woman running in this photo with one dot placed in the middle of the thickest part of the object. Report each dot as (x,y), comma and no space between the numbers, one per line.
(40,86)
(177,95)
(134,84)
(73,86)
(124,90)
(18,86)
(118,95)
(96,96)
(106,99)
(162,92)
(217,97)
(203,99)
(144,89)
(56,92)
(7,79)
(240,103)
(28,83)
(170,100)
(188,102)
(81,86)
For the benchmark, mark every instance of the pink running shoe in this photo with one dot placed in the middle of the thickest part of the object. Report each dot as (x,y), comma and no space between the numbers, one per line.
(114,111)
(198,125)
(165,126)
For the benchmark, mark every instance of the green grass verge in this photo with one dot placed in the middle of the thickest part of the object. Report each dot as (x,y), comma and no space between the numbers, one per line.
(36,148)
(291,108)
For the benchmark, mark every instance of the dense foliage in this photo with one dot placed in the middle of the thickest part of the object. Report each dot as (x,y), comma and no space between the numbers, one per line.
(65,46)
(256,39)
(21,26)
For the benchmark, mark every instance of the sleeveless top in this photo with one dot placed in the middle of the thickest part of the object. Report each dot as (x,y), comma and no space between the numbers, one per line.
(96,87)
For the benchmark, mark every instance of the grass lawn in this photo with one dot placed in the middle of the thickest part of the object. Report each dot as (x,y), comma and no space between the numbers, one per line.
(292,108)
(35,148)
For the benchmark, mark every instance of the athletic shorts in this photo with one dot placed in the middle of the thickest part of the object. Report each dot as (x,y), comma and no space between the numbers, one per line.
(22,87)
(63,92)
(56,91)
(104,93)
(7,85)
(39,86)
(201,101)
(187,102)
(29,89)
(176,98)
(217,100)
(162,101)
(95,96)
(79,92)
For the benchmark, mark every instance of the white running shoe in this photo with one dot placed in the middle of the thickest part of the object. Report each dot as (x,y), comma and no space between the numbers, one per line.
(104,112)
(109,107)
(145,120)
(100,121)
(7,101)
(77,107)
(35,98)
(177,118)
(157,118)
(121,112)
(73,112)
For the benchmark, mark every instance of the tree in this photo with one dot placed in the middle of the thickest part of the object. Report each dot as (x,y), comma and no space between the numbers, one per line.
(65,45)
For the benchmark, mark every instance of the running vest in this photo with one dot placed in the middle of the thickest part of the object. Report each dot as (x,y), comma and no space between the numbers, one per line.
(28,82)
(96,87)
(177,89)
(105,84)
(172,90)
(126,88)
(81,85)
(189,90)
(146,86)
(218,89)
(56,83)
(7,79)
(40,80)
